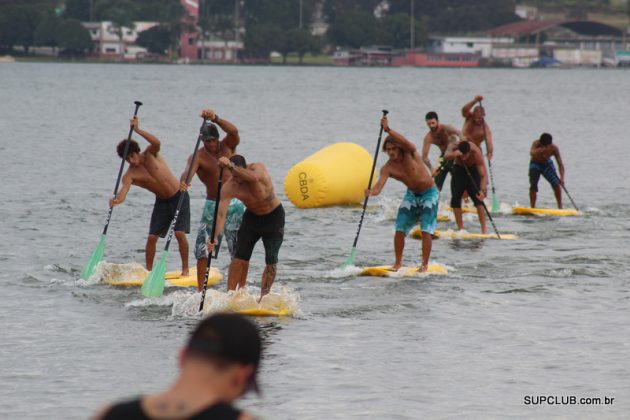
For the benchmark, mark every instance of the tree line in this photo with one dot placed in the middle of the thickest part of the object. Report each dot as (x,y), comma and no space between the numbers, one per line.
(264,25)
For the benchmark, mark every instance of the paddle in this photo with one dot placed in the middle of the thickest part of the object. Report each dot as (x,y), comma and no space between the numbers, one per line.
(153,285)
(569,195)
(97,255)
(214,227)
(472,180)
(350,260)
(495,200)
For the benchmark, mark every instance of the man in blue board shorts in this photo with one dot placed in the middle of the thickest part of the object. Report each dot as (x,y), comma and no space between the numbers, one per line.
(206,166)
(541,164)
(420,202)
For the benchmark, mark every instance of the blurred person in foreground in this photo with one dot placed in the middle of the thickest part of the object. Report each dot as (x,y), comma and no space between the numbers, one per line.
(217,366)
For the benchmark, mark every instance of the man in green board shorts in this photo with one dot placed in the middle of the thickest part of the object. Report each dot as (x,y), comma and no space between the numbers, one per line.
(206,167)
(421,199)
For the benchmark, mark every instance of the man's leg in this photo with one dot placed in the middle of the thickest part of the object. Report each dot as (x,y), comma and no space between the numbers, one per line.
(427,242)
(481,213)
(268,276)
(183,250)
(150,250)
(237,274)
(558,193)
(202,264)
(532,199)
(399,246)
(457,212)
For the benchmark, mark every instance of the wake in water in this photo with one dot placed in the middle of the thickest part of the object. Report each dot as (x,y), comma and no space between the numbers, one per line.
(282,301)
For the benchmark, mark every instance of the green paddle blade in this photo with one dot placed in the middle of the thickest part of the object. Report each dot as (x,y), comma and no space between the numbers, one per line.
(153,285)
(95,258)
(350,260)
(495,204)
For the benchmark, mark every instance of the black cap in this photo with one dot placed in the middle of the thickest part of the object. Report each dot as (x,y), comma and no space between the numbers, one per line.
(231,338)
(209,131)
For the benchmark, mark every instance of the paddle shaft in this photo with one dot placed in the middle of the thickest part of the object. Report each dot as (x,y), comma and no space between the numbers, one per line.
(120,170)
(474,184)
(485,138)
(378,146)
(569,195)
(181,196)
(214,229)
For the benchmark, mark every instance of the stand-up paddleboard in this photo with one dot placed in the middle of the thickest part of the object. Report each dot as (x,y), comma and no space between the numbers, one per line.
(443,218)
(465,209)
(452,234)
(388,271)
(122,276)
(547,212)
(270,305)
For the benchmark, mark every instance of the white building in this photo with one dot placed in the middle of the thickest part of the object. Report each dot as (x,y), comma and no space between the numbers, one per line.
(471,45)
(107,44)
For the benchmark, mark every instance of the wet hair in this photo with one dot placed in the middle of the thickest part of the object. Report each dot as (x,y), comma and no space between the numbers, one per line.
(545,139)
(133,147)
(389,139)
(431,115)
(464,147)
(238,160)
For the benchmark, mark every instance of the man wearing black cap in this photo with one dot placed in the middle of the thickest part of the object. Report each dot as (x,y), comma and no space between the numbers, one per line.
(207,169)
(263,219)
(148,169)
(217,366)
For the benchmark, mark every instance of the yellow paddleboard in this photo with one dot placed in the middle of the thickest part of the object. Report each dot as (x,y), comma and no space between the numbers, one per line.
(548,212)
(136,277)
(466,209)
(387,271)
(270,305)
(451,234)
(443,218)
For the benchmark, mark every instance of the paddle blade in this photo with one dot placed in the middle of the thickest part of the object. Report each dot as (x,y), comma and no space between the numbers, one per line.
(350,260)
(495,204)
(153,285)
(95,258)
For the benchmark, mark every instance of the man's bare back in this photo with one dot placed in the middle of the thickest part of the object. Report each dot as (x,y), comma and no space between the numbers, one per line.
(258,194)
(154,175)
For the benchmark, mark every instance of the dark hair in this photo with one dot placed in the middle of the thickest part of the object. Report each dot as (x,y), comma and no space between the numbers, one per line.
(389,139)
(238,160)
(431,115)
(545,139)
(133,147)
(225,339)
(209,132)
(464,147)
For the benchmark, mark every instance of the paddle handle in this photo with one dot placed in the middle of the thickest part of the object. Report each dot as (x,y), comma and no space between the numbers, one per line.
(122,165)
(212,232)
(378,146)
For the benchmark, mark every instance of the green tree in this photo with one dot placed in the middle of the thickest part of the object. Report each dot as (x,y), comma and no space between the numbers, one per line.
(77,9)
(397,31)
(19,25)
(354,29)
(46,32)
(260,40)
(73,38)
(121,14)
(156,39)
(301,42)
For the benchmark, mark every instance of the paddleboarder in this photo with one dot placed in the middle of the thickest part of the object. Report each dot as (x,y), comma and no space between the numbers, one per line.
(420,203)
(467,175)
(206,166)
(263,218)
(217,366)
(475,128)
(149,170)
(541,164)
(440,135)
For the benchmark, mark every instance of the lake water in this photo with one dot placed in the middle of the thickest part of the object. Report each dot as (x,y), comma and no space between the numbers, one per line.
(545,315)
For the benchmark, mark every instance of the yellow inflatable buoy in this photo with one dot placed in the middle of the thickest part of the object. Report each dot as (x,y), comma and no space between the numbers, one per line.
(337,174)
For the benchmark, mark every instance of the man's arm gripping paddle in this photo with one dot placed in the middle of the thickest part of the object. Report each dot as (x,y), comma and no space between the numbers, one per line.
(350,260)
(212,232)
(97,255)
(477,191)
(495,200)
(153,285)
